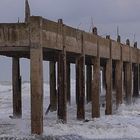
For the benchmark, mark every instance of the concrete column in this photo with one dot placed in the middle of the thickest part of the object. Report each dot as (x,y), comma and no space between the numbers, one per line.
(53,94)
(16,83)
(62,76)
(119,78)
(139,75)
(108,110)
(124,77)
(80,87)
(109,81)
(119,82)
(136,80)
(36,64)
(88,83)
(104,77)
(36,74)
(135,77)
(96,81)
(62,87)
(128,74)
(96,88)
(68,83)
(77,80)
(113,77)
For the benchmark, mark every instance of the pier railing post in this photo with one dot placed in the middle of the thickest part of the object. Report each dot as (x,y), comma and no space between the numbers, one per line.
(16,83)
(36,70)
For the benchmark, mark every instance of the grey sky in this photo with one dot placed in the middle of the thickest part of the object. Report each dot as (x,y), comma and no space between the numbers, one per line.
(106,15)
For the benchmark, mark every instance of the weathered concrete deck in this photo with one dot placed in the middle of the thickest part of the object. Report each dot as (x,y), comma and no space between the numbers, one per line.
(18,37)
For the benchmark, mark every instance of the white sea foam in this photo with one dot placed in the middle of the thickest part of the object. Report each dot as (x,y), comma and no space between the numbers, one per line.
(124,124)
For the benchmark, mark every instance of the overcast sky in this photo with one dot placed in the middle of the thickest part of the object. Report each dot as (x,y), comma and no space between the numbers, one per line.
(105,14)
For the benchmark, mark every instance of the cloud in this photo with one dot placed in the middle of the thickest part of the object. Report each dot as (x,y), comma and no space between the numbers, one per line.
(102,11)
(106,14)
